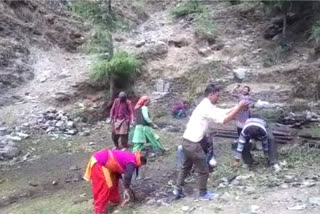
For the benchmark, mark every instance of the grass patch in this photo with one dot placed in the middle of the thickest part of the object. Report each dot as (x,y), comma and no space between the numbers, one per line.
(187,7)
(277,55)
(302,156)
(314,131)
(204,26)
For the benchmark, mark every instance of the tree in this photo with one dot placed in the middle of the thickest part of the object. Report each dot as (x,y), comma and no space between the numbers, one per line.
(300,8)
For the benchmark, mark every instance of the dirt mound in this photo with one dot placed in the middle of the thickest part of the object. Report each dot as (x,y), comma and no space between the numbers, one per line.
(24,24)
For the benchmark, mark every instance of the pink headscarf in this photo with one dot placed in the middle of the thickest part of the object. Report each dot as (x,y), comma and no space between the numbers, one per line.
(141,102)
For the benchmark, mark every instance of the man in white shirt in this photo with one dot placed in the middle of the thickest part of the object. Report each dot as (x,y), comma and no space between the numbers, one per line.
(196,129)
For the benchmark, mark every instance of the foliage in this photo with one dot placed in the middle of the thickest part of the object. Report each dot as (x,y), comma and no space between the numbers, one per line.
(302,156)
(204,26)
(100,42)
(93,11)
(122,66)
(300,8)
(278,55)
(315,33)
(187,7)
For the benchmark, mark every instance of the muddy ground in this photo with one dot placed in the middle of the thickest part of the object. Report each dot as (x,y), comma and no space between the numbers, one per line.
(49,181)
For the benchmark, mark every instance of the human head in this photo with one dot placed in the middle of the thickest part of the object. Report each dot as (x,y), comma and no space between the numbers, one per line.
(122,96)
(212,92)
(143,101)
(255,132)
(143,159)
(185,103)
(246,90)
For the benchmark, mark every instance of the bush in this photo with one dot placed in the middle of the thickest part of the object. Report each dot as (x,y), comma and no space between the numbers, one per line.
(204,26)
(187,7)
(315,33)
(121,67)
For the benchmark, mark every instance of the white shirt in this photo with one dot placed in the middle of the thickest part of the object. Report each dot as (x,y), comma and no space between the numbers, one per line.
(200,119)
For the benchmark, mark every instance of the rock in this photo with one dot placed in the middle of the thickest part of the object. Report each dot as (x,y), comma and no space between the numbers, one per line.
(63,96)
(254,209)
(162,86)
(74,168)
(244,177)
(85,133)
(179,41)
(33,183)
(153,51)
(43,79)
(3,131)
(239,73)
(22,135)
(284,186)
(151,201)
(14,138)
(92,143)
(70,124)
(71,132)
(9,152)
(64,74)
(140,43)
(205,51)
(298,207)
(54,183)
(314,201)
(61,125)
(185,208)
(308,183)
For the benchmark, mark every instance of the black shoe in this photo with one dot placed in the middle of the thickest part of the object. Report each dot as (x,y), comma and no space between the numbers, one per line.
(178,193)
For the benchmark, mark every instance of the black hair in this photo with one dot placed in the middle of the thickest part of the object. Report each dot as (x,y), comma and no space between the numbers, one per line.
(247,88)
(143,160)
(212,88)
(255,132)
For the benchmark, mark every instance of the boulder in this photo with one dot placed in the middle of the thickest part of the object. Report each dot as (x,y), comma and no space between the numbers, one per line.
(240,74)
(9,152)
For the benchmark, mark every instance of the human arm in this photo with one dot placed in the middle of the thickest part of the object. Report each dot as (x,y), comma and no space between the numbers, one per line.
(112,110)
(130,109)
(145,114)
(234,111)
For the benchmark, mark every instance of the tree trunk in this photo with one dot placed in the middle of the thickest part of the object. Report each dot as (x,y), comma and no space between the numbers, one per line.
(284,25)
(109,6)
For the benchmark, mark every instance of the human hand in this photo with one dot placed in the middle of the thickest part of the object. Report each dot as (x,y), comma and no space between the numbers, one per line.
(236,163)
(126,197)
(244,104)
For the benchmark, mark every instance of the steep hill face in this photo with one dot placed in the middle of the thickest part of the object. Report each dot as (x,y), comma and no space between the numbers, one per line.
(25,24)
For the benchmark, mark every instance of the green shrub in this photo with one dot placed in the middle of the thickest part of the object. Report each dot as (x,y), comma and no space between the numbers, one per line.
(204,26)
(187,7)
(315,33)
(121,67)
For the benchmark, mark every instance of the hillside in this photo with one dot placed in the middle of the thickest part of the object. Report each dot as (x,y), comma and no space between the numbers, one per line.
(53,113)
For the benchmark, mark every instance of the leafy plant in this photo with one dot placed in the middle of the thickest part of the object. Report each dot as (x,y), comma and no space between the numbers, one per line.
(117,71)
(204,26)
(315,33)
(187,7)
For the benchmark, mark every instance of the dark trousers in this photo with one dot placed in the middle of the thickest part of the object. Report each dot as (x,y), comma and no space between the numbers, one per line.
(194,155)
(123,139)
(272,152)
